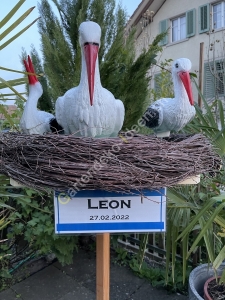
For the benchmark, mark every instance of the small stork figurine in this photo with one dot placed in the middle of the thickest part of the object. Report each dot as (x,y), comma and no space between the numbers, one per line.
(168,114)
(34,121)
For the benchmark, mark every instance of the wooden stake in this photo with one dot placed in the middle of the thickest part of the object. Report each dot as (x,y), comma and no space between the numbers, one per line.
(201,63)
(102,266)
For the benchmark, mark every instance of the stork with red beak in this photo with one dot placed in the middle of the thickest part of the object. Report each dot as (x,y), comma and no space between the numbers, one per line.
(90,110)
(172,114)
(34,121)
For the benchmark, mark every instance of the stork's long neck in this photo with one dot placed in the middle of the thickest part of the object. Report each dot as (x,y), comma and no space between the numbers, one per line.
(35,92)
(179,90)
(84,77)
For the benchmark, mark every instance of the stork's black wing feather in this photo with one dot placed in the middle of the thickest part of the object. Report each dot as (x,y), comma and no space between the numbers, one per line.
(151,118)
(55,126)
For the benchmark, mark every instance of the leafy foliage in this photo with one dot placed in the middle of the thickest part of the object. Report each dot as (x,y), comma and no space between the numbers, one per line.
(132,87)
(15,24)
(59,66)
(33,221)
(210,121)
(11,121)
(192,217)
(196,215)
(156,275)
(164,82)
(27,221)
(4,22)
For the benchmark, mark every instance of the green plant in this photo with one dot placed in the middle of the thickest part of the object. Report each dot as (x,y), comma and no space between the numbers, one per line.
(210,122)
(15,82)
(158,276)
(197,214)
(192,216)
(163,82)
(122,257)
(33,221)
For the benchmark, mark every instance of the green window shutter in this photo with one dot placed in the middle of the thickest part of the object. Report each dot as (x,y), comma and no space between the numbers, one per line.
(190,21)
(203,18)
(163,26)
(209,84)
(156,83)
(219,66)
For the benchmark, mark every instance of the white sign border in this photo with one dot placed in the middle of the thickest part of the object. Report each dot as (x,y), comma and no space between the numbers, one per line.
(118,227)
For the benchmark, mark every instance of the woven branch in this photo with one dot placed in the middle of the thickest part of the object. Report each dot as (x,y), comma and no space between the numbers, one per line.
(113,164)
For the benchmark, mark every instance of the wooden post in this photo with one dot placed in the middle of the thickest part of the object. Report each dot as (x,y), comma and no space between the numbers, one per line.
(102,266)
(200,81)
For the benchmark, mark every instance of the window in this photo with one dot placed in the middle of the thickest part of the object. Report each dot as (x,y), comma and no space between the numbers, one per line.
(179,28)
(218,15)
(217,11)
(182,27)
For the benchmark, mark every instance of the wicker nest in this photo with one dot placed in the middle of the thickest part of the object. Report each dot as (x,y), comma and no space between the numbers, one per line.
(113,164)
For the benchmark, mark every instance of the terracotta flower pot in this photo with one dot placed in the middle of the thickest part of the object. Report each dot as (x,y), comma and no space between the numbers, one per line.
(206,294)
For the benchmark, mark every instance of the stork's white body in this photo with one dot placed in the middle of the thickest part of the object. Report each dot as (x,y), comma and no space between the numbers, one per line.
(34,121)
(73,110)
(174,113)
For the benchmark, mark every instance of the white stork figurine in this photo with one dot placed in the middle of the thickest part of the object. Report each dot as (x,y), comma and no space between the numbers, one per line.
(89,109)
(168,114)
(34,121)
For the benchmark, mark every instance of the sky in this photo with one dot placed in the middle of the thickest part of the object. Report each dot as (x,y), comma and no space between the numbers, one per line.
(10,56)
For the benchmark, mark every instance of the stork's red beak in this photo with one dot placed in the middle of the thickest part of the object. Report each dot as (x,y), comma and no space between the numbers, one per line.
(185,78)
(91,53)
(30,69)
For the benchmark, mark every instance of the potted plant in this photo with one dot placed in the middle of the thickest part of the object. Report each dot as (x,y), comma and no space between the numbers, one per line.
(199,280)
(211,216)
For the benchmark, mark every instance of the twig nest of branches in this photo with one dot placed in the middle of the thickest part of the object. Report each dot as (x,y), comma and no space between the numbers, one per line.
(113,164)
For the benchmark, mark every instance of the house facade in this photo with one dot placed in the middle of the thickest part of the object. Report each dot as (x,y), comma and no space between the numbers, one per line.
(189,23)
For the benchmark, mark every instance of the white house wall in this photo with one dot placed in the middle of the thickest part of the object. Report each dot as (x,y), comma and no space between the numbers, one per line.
(188,47)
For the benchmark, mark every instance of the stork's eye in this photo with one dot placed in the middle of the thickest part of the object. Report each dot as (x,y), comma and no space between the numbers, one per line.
(176,65)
